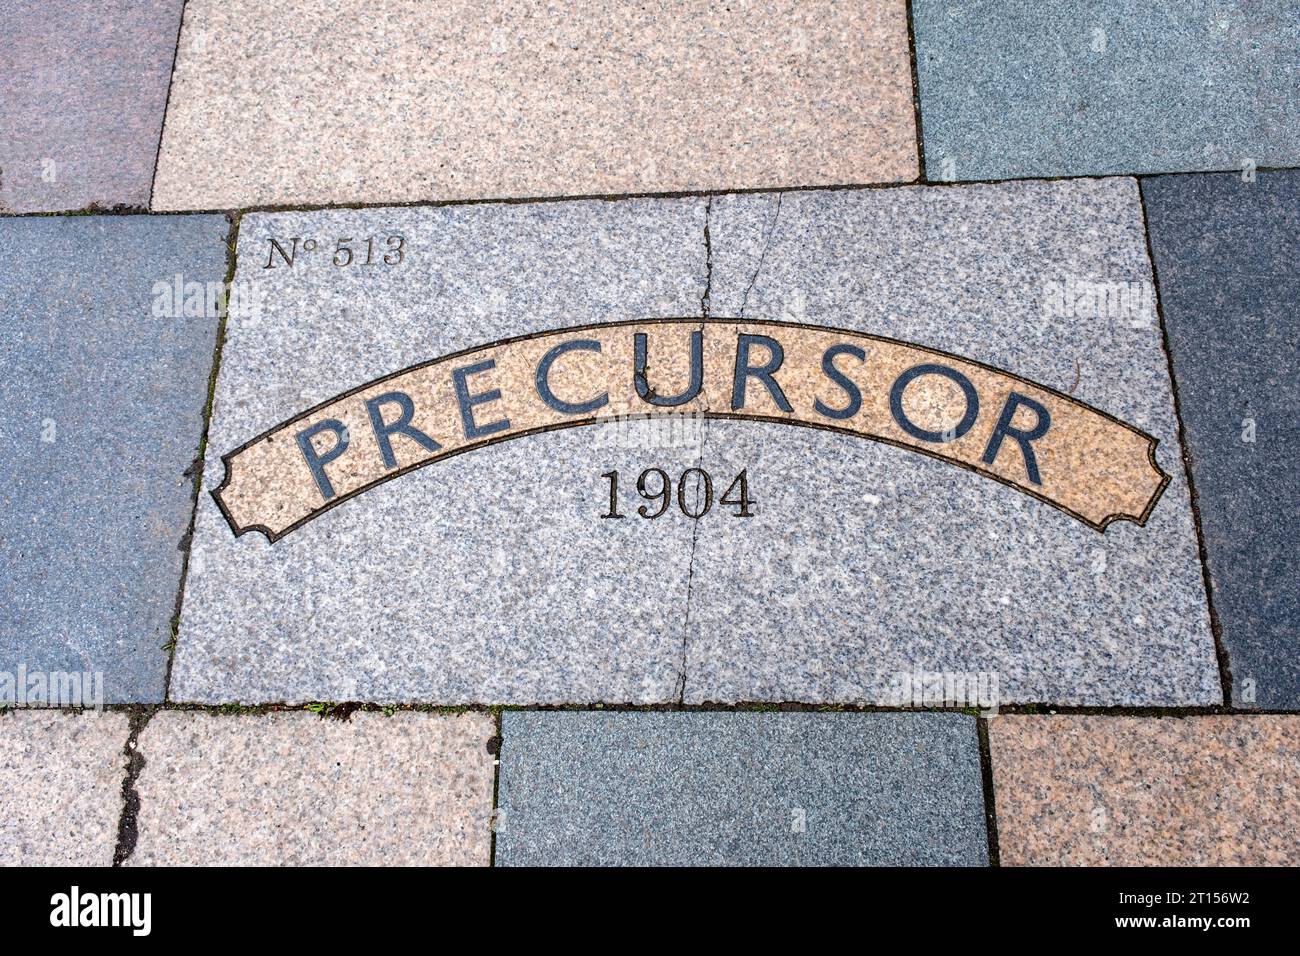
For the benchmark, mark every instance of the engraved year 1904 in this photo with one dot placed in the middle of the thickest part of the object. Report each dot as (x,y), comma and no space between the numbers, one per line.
(694,498)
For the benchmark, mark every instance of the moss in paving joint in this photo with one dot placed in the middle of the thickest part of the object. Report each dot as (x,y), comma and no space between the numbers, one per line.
(238,710)
(175,630)
(329,710)
(343,710)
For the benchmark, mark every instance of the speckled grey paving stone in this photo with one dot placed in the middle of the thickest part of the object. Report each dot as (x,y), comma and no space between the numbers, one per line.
(864,561)
(487,577)
(590,788)
(292,789)
(82,96)
(62,793)
(101,414)
(1226,253)
(1018,88)
(490,577)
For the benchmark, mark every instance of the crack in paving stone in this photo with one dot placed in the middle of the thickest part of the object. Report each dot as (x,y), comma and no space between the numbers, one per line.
(128,827)
(901,243)
(249,789)
(705,302)
(990,804)
(762,256)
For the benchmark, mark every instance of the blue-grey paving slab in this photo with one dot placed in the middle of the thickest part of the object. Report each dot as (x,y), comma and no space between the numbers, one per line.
(1018,88)
(1227,255)
(101,414)
(865,562)
(82,95)
(604,788)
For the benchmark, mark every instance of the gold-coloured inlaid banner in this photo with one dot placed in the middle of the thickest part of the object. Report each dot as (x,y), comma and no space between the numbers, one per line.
(1040,441)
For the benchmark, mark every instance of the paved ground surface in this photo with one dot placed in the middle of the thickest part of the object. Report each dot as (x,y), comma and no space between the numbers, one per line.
(459,101)
(82,100)
(1130,791)
(935,496)
(706,789)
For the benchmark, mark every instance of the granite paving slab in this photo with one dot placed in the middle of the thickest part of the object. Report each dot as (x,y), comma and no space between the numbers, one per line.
(487,577)
(293,789)
(293,104)
(1146,791)
(82,96)
(698,789)
(1226,251)
(1038,548)
(873,574)
(1022,88)
(62,793)
(107,327)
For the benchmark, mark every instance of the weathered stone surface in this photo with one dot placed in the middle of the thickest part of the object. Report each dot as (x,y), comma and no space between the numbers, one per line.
(848,575)
(1145,791)
(601,788)
(287,103)
(62,794)
(1226,253)
(487,577)
(292,789)
(1024,88)
(101,414)
(82,96)
(865,562)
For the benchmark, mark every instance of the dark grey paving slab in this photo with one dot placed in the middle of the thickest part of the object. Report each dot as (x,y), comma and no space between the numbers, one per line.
(101,414)
(702,789)
(865,562)
(82,96)
(487,577)
(1227,254)
(1020,88)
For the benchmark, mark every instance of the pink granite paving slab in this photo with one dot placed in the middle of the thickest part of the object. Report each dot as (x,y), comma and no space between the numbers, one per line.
(1147,791)
(294,789)
(61,796)
(303,102)
(82,93)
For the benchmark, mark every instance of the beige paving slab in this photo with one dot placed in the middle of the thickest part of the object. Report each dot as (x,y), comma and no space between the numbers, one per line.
(1147,791)
(306,102)
(292,789)
(61,797)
